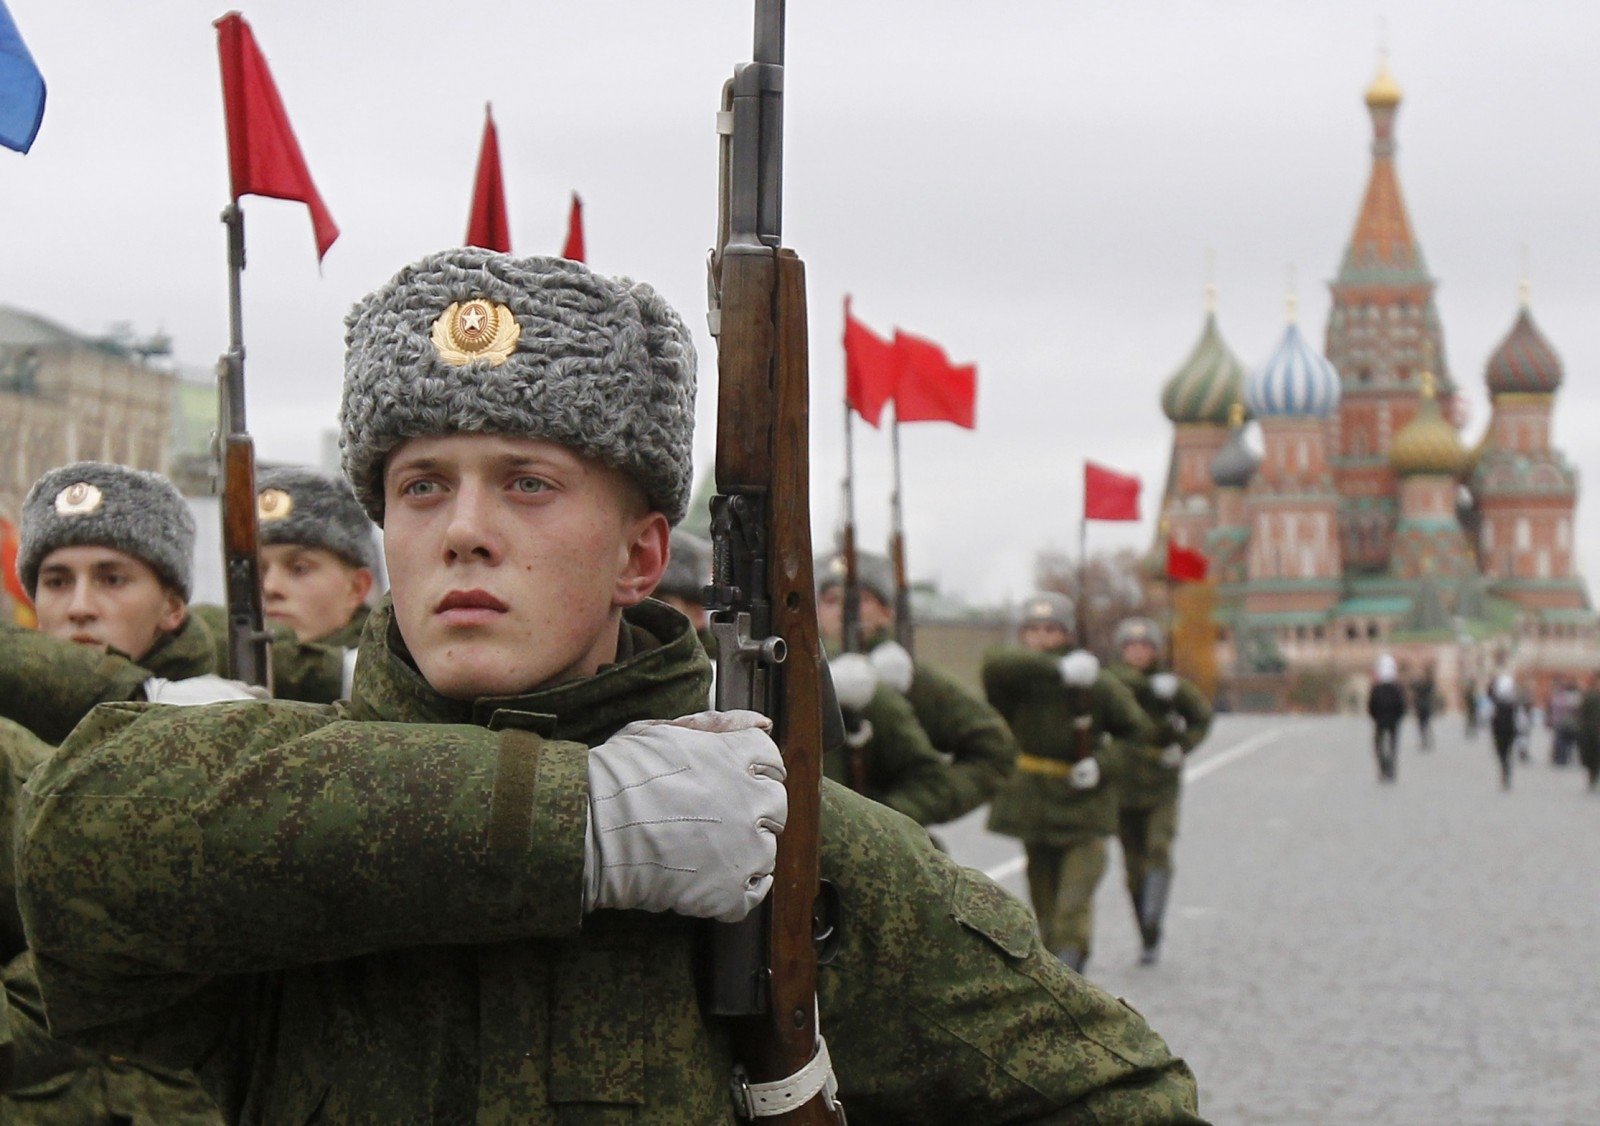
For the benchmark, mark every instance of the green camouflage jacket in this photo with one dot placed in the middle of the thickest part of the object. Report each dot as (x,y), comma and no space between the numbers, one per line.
(902,769)
(1146,781)
(310,671)
(48,685)
(370,913)
(963,728)
(1026,689)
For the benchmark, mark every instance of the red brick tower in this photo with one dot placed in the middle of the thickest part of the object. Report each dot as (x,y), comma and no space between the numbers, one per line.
(1382,326)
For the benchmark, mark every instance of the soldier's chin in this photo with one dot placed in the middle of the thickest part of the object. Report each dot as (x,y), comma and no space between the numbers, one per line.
(470,672)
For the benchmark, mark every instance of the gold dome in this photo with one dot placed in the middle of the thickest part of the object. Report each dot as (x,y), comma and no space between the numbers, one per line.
(1384,93)
(1428,443)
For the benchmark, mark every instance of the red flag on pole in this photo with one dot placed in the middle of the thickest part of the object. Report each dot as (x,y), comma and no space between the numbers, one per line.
(487,225)
(931,388)
(10,547)
(871,368)
(263,156)
(1109,495)
(573,250)
(1185,565)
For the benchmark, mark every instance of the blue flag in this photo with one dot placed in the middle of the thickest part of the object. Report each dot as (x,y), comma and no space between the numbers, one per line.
(21,88)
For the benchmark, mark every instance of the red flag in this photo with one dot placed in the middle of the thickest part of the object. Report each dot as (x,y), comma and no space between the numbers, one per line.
(1185,565)
(871,369)
(573,250)
(1109,495)
(931,388)
(263,156)
(487,225)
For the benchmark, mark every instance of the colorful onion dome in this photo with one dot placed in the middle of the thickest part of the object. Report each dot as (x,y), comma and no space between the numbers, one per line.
(1524,362)
(1428,443)
(1206,382)
(1235,462)
(1384,93)
(1295,381)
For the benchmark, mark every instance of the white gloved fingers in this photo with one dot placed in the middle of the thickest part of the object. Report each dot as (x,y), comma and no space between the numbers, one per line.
(195,691)
(1085,774)
(1080,669)
(895,666)
(1172,756)
(713,721)
(855,680)
(754,893)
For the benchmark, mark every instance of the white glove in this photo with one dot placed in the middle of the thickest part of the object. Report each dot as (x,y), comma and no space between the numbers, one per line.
(894,666)
(1164,685)
(1172,756)
(1080,669)
(684,816)
(347,680)
(854,680)
(195,690)
(1085,774)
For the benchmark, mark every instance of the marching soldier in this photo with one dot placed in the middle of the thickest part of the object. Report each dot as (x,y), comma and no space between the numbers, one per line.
(506,833)
(106,554)
(1072,721)
(1147,814)
(968,732)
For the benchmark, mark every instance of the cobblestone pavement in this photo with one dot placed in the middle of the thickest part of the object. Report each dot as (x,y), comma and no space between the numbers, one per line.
(1343,952)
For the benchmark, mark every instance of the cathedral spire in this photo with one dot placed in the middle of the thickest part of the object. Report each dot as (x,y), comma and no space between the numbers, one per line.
(1383,248)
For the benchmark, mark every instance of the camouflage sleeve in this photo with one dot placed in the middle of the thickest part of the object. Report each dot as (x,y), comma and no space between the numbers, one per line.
(1119,712)
(1010,674)
(36,1057)
(162,846)
(942,1005)
(982,750)
(48,685)
(307,671)
(907,774)
(1196,714)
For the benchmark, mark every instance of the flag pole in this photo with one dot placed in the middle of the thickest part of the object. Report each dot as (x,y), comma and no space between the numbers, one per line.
(897,547)
(850,618)
(1083,578)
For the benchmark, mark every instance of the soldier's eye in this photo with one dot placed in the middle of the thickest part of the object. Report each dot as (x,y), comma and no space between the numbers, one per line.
(420,488)
(529,485)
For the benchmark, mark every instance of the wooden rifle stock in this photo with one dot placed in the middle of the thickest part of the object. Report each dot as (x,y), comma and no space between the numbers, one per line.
(249,652)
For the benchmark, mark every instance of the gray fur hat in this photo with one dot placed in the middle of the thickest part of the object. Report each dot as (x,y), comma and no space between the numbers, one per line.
(472,341)
(103,505)
(1130,630)
(873,572)
(688,567)
(1047,606)
(311,509)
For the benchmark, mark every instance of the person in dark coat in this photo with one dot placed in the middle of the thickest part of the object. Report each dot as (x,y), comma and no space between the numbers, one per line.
(1424,694)
(1504,723)
(1589,731)
(1386,704)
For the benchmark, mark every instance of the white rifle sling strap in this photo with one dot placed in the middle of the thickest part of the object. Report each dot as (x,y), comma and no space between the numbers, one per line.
(764,1100)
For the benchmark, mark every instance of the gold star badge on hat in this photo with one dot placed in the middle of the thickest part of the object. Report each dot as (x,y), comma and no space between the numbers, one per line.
(476,330)
(273,504)
(79,499)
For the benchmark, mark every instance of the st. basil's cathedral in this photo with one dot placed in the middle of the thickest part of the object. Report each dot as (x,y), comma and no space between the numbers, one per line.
(1366,525)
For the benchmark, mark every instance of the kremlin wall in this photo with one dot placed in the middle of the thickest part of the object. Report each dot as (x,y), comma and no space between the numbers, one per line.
(1366,524)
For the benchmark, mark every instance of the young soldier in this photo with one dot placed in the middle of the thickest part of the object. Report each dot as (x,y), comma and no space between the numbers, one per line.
(471,895)
(1147,805)
(1070,719)
(969,733)
(106,554)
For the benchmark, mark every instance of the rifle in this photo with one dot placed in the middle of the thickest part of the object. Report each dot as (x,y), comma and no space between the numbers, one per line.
(762,599)
(249,643)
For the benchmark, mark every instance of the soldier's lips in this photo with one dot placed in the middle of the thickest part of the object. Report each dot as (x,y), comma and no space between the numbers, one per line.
(88,639)
(469,608)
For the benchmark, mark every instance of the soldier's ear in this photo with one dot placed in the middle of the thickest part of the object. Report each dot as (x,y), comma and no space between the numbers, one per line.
(648,537)
(174,611)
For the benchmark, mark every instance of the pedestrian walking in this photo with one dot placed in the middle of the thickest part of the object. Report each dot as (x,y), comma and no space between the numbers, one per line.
(1386,704)
(1469,709)
(1561,713)
(1504,722)
(1589,731)
(1424,694)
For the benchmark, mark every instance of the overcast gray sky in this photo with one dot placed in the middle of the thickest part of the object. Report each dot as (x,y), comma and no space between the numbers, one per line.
(1035,185)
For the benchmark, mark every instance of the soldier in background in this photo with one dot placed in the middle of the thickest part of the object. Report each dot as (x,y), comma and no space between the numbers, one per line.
(1386,704)
(107,556)
(970,734)
(476,892)
(684,581)
(1147,817)
(1073,722)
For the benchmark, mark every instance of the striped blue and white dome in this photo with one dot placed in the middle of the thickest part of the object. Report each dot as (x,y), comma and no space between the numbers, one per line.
(1296,381)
